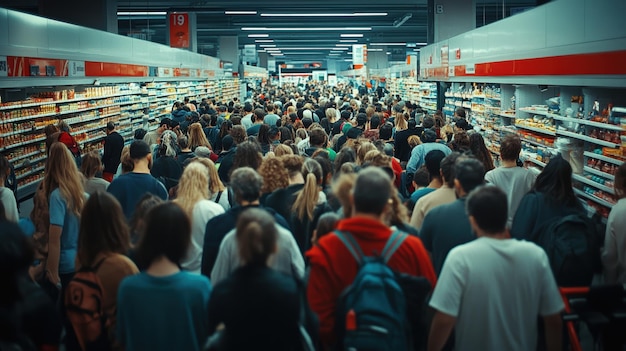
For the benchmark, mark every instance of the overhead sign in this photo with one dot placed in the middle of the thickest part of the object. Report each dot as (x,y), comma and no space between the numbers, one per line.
(179,30)
(359,54)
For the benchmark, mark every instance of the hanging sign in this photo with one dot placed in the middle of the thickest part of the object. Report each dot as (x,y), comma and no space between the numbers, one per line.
(359,54)
(179,30)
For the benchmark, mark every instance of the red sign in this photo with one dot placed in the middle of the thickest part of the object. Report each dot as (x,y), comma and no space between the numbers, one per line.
(458,54)
(179,30)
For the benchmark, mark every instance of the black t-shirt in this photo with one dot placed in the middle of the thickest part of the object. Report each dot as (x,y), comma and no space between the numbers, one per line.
(281,200)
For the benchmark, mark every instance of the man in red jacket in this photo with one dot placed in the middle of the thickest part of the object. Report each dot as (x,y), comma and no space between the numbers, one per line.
(332,266)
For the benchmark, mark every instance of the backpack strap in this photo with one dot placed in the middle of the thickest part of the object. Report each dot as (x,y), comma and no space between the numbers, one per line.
(393,243)
(219,196)
(350,243)
(97,265)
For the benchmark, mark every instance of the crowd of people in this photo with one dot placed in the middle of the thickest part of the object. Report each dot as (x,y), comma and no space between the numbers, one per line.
(240,225)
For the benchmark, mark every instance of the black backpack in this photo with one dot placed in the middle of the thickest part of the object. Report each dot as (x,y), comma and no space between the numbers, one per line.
(572,246)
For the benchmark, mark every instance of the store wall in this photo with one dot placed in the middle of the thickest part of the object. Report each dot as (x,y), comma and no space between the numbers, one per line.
(97,14)
(377,59)
(456,17)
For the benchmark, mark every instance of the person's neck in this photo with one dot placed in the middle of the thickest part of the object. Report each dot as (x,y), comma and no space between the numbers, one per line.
(186,150)
(368,215)
(296,179)
(162,267)
(141,167)
(509,163)
(499,236)
(245,203)
(435,183)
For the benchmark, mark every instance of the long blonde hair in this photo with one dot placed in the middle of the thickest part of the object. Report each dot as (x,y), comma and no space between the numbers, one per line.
(62,173)
(193,187)
(309,195)
(215,183)
(197,137)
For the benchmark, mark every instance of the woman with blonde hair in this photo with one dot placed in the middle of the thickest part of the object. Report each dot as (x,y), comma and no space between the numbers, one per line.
(89,168)
(362,149)
(197,137)
(63,187)
(307,206)
(218,193)
(193,198)
(282,149)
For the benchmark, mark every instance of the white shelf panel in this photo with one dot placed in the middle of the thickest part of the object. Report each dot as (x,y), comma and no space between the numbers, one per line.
(590,182)
(599,173)
(603,158)
(586,138)
(593,198)
(538,130)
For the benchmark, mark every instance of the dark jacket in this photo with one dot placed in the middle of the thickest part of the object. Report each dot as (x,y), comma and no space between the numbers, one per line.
(401,145)
(535,210)
(167,170)
(226,159)
(179,115)
(260,309)
(113,145)
(218,227)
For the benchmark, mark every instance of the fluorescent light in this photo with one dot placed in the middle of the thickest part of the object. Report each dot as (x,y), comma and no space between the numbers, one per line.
(352,35)
(349,41)
(388,44)
(264,41)
(268,45)
(295,29)
(354,14)
(258,35)
(421,43)
(313,48)
(417,49)
(348,45)
(388,52)
(240,12)
(142,13)
(348,60)
(332,54)
(374,50)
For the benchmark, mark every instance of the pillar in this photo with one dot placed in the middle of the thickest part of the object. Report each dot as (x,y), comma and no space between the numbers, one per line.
(451,18)
(377,59)
(229,50)
(97,14)
(263,59)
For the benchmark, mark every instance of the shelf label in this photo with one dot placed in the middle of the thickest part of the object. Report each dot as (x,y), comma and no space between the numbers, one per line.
(76,69)
(179,30)
(4,67)
(470,69)
(165,72)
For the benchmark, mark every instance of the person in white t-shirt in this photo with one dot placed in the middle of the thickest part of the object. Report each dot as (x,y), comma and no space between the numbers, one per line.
(515,181)
(492,290)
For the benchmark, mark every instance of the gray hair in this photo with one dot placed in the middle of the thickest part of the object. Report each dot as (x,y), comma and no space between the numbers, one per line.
(246,184)
(169,141)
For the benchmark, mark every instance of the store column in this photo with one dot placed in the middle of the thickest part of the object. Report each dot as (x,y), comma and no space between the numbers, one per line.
(377,60)
(229,51)
(449,18)
(97,14)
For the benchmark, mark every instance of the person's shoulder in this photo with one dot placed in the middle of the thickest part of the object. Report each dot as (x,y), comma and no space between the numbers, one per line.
(193,279)
(120,262)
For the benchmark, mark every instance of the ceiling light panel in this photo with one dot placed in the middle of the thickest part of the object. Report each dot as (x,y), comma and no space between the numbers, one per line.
(142,13)
(388,44)
(354,14)
(240,12)
(352,35)
(258,35)
(297,29)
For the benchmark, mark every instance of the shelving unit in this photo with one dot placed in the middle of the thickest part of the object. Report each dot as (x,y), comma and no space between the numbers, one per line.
(409,89)
(87,110)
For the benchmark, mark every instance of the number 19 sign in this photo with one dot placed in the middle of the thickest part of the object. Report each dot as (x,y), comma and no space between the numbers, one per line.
(179,30)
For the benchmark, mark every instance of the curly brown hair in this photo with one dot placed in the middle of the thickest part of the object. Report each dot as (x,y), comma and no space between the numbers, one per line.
(238,132)
(275,175)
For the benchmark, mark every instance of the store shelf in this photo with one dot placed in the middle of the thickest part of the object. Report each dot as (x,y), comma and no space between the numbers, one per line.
(506,115)
(27,118)
(27,189)
(31,172)
(599,173)
(603,158)
(538,112)
(586,138)
(15,159)
(538,130)
(590,182)
(593,198)
(536,161)
(535,142)
(619,109)
(27,142)
(57,102)
(589,123)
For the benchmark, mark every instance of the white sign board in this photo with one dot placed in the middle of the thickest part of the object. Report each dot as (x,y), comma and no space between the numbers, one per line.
(332,80)
(4,67)
(359,54)
(76,68)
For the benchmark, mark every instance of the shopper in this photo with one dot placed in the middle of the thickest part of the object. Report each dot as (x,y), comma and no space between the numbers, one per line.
(246,187)
(113,145)
(152,137)
(257,122)
(247,154)
(129,188)
(64,190)
(429,143)
(614,252)
(443,195)
(259,307)
(332,267)
(480,151)
(551,198)
(515,181)
(163,308)
(185,153)
(448,226)
(28,317)
(226,158)
(166,168)
(275,176)
(281,200)
(66,138)
(197,137)
(7,198)
(497,284)
(218,193)
(432,162)
(193,198)
(89,168)
(271,118)
(103,242)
